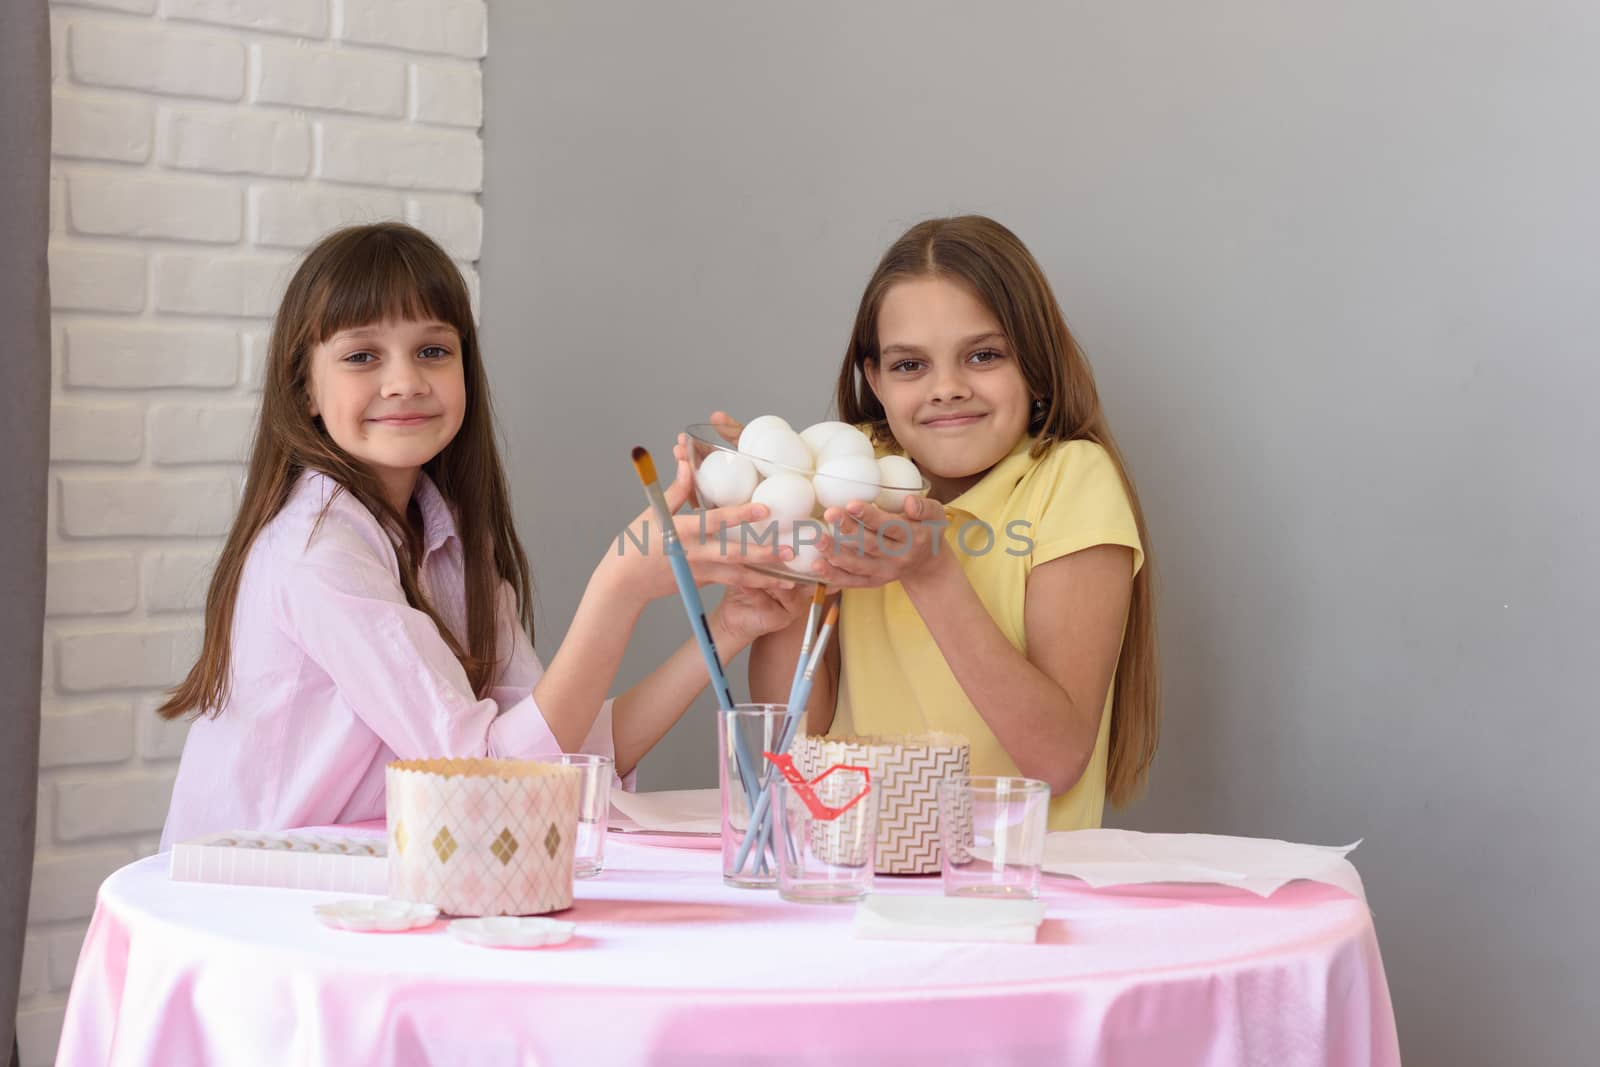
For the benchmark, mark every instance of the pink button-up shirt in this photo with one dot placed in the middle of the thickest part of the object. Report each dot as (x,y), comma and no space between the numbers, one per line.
(335,675)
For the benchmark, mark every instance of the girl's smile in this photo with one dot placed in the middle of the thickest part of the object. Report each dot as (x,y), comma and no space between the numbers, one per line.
(402,421)
(952,422)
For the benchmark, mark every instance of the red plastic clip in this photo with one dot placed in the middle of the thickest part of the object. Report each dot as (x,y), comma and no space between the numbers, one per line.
(808,795)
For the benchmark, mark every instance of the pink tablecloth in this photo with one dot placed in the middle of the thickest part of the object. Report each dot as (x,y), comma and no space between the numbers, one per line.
(670,967)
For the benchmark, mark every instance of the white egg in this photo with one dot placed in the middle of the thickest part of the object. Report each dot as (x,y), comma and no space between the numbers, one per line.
(798,534)
(847,478)
(900,479)
(847,442)
(725,479)
(762,423)
(769,440)
(804,557)
(786,496)
(817,434)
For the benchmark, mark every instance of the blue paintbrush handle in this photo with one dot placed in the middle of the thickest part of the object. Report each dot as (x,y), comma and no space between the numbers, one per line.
(697,621)
(689,593)
(749,772)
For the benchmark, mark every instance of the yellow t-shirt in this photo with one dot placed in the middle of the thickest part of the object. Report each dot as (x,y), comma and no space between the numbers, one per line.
(894,678)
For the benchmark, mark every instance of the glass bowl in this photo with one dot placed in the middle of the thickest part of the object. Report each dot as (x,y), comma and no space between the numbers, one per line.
(725,477)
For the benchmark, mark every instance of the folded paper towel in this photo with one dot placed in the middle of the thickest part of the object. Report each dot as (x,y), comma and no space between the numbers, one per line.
(1259,865)
(671,811)
(919,918)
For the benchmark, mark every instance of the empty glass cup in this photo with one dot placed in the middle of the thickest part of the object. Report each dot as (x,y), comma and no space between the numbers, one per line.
(827,837)
(991,835)
(594,808)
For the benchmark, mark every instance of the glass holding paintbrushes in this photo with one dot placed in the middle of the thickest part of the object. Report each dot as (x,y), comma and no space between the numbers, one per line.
(744,780)
(751,853)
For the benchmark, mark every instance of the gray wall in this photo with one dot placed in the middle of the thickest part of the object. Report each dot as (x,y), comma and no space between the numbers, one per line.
(1334,265)
(25,442)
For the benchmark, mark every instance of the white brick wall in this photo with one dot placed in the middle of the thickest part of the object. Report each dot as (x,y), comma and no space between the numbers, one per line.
(230,141)
(199,146)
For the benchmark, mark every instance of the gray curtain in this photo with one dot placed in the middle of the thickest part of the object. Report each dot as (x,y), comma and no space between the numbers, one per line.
(24,459)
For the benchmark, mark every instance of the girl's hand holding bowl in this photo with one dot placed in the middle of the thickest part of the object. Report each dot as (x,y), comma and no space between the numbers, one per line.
(746,614)
(802,478)
(639,556)
(876,547)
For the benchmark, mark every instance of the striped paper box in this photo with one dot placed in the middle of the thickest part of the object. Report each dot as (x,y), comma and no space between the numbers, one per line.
(906,772)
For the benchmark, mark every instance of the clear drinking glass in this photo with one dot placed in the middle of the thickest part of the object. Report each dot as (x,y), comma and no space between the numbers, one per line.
(744,734)
(827,843)
(991,835)
(594,808)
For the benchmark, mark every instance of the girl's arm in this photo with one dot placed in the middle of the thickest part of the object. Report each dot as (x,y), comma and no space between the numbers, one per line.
(578,678)
(643,715)
(1044,707)
(340,601)
(574,686)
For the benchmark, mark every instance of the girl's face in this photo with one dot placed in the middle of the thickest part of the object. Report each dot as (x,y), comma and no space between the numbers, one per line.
(391,394)
(949,382)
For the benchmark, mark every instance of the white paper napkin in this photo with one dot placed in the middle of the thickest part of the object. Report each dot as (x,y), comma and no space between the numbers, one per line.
(926,918)
(1260,865)
(677,811)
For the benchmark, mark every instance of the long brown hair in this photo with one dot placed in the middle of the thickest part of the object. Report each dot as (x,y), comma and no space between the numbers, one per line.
(991,262)
(355,277)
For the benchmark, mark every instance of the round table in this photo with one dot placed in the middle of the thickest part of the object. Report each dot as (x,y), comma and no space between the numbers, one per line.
(671,967)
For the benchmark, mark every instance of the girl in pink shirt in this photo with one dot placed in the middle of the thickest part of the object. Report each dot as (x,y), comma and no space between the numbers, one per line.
(372,601)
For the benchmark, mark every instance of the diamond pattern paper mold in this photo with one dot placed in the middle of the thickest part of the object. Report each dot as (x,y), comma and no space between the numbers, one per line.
(479,837)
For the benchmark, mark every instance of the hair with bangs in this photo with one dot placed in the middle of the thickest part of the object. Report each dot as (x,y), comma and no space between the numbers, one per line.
(357,277)
(993,264)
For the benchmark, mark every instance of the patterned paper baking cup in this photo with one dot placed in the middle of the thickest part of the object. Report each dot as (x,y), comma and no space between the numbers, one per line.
(482,837)
(906,771)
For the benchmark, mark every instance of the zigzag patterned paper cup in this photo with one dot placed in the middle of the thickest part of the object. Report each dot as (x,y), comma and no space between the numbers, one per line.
(482,837)
(906,772)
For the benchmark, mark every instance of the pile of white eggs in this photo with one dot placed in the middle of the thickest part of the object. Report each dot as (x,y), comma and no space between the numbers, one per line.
(797,475)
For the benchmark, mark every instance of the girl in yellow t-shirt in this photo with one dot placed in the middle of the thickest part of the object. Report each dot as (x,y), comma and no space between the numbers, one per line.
(1018,613)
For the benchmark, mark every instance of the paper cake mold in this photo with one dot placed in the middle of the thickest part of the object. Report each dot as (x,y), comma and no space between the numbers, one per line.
(477,837)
